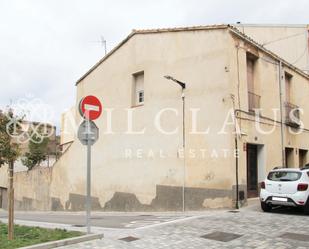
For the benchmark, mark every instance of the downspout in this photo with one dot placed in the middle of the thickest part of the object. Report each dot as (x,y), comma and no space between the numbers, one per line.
(236,154)
(281,113)
(236,137)
(237,183)
(307,43)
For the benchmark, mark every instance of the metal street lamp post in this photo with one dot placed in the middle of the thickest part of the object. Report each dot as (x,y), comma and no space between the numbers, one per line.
(183,87)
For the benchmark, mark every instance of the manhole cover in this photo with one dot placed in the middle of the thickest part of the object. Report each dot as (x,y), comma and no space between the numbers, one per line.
(221,236)
(295,236)
(129,239)
(97,218)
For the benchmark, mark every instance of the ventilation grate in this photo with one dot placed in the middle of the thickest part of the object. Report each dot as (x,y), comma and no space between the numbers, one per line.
(129,239)
(221,236)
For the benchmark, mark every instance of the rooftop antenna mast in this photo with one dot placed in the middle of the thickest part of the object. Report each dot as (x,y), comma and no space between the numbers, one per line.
(103,43)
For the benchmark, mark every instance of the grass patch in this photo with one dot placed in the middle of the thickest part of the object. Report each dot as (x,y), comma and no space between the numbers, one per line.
(26,236)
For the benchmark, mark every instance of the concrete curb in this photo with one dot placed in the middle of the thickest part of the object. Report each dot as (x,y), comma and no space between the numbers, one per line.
(65,242)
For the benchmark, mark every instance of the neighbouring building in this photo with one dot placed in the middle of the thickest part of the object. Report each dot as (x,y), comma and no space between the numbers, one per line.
(290,41)
(139,163)
(48,131)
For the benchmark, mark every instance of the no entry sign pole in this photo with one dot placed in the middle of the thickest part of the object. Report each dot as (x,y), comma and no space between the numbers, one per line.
(90,109)
(88,201)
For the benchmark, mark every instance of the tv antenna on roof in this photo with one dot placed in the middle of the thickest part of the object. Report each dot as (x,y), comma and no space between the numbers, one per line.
(102,42)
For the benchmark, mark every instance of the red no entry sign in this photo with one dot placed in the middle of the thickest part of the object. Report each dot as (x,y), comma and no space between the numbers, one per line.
(90,107)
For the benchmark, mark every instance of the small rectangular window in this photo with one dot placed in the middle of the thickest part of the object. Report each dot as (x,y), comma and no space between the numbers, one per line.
(138,89)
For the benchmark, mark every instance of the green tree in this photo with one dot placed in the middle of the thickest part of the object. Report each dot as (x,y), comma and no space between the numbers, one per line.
(37,150)
(9,152)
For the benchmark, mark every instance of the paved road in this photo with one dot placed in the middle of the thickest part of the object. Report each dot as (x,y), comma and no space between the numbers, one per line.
(249,228)
(98,219)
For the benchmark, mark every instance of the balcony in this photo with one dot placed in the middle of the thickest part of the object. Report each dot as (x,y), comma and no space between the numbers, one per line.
(292,115)
(253,101)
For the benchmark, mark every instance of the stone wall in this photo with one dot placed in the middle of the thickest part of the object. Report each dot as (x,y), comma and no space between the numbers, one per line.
(32,189)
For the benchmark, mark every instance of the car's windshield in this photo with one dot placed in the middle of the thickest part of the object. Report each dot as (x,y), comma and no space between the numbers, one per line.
(282,176)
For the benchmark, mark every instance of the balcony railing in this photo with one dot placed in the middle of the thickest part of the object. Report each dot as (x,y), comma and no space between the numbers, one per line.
(254,101)
(292,114)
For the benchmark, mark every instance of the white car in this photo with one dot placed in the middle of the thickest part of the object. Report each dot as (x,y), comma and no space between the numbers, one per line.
(285,187)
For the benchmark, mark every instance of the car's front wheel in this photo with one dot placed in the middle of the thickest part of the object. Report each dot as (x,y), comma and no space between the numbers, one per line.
(265,207)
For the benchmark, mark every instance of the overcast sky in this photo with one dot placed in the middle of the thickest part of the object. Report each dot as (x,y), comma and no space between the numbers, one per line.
(45,46)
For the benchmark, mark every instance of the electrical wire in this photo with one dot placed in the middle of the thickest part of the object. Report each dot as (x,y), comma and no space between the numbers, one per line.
(274,121)
(284,38)
(275,63)
(301,56)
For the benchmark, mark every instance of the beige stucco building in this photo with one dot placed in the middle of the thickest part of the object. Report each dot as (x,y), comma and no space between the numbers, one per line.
(139,162)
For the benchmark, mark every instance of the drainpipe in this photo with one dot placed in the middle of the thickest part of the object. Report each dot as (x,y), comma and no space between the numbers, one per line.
(237,183)
(237,155)
(281,77)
